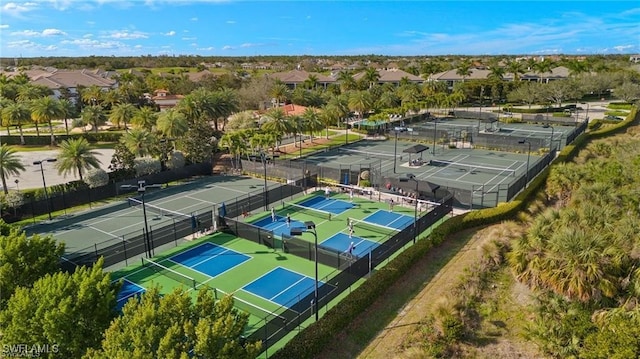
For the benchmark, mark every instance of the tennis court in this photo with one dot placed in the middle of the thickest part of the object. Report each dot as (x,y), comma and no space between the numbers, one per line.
(265,283)
(121,221)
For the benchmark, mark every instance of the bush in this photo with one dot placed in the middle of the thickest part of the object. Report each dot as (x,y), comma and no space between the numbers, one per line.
(176,160)
(147,166)
(96,177)
(620,106)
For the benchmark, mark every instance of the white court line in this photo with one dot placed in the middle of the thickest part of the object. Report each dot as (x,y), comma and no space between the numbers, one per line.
(289,287)
(426,174)
(105,232)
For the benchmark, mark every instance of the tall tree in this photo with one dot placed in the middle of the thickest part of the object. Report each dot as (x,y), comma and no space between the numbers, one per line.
(173,326)
(277,123)
(93,115)
(16,114)
(45,110)
(24,259)
(172,124)
(515,68)
(280,93)
(76,156)
(140,142)
(67,109)
(464,69)
(68,310)
(10,164)
(122,114)
(145,118)
(371,75)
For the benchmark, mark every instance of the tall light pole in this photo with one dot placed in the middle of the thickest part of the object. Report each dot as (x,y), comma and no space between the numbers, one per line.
(346,131)
(411,177)
(395,152)
(551,140)
(263,156)
(16,182)
(522,142)
(435,132)
(311,227)
(587,114)
(44,183)
(142,189)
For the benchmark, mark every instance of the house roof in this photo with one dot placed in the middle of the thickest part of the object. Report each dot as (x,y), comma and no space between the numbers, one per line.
(393,75)
(299,76)
(71,79)
(452,75)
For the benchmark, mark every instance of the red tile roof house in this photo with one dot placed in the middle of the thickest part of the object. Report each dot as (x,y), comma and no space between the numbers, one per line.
(295,78)
(72,79)
(165,100)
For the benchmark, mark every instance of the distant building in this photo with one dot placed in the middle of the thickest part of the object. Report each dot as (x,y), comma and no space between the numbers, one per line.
(393,76)
(165,100)
(295,78)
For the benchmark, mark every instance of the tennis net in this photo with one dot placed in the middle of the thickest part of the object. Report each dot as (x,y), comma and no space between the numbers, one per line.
(374,227)
(307,210)
(133,202)
(472,168)
(367,154)
(168,272)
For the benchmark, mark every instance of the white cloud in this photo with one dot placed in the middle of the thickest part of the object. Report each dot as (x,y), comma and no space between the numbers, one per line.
(94,44)
(210,48)
(189,38)
(170,33)
(227,47)
(4,26)
(51,48)
(17,10)
(29,33)
(231,22)
(126,35)
(53,32)
(194,19)
(86,36)
(623,47)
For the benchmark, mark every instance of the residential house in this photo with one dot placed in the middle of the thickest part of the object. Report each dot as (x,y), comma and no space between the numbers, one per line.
(165,100)
(295,78)
(393,76)
(72,80)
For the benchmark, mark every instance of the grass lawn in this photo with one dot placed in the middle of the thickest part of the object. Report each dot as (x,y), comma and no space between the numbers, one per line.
(34,148)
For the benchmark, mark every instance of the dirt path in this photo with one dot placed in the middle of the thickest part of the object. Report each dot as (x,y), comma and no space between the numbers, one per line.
(389,342)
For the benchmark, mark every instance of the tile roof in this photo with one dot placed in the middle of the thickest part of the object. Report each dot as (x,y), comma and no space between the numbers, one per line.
(299,76)
(393,75)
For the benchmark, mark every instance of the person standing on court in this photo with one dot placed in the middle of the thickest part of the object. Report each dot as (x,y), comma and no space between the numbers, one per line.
(351,194)
(288,220)
(327,192)
(350,225)
(273,214)
(391,205)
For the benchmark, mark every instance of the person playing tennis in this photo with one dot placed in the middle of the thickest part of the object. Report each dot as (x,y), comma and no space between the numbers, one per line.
(273,214)
(288,220)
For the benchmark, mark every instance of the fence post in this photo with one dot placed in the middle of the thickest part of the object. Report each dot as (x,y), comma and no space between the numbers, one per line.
(124,249)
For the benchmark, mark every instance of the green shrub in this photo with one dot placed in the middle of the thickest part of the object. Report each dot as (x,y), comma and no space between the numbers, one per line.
(620,106)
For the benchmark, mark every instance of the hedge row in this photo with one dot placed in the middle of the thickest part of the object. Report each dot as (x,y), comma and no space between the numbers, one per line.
(45,138)
(318,335)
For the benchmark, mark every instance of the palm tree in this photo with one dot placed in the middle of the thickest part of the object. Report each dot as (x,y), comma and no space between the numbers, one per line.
(515,67)
(236,145)
(45,110)
(67,108)
(311,82)
(279,92)
(139,142)
(16,113)
(92,95)
(10,164)
(76,156)
(346,80)
(312,121)
(172,124)
(224,103)
(372,76)
(277,123)
(464,69)
(361,102)
(145,118)
(122,114)
(93,115)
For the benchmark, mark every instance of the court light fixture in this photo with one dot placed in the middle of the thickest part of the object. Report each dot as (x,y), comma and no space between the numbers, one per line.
(411,177)
(522,142)
(44,183)
(297,231)
(141,187)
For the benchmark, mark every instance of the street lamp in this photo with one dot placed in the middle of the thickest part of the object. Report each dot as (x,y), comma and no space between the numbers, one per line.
(296,231)
(522,142)
(44,183)
(411,177)
(587,114)
(395,152)
(551,140)
(263,157)
(435,131)
(142,189)
(16,182)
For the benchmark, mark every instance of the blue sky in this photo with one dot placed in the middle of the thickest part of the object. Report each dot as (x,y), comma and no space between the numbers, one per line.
(247,28)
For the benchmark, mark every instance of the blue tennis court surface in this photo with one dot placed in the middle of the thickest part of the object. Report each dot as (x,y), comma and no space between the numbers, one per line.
(390,219)
(335,206)
(128,290)
(210,259)
(282,286)
(278,227)
(340,242)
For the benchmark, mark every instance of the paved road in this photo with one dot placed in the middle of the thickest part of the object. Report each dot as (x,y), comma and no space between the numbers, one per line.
(32,177)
